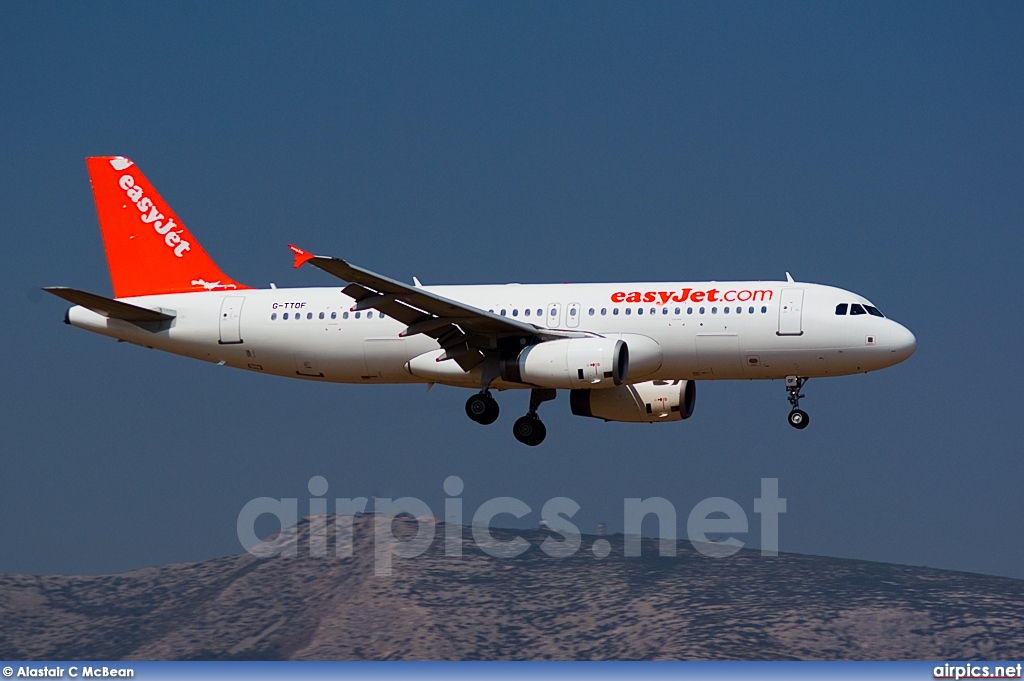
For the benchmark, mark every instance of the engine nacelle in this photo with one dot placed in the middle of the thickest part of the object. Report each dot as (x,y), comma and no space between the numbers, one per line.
(569,363)
(650,402)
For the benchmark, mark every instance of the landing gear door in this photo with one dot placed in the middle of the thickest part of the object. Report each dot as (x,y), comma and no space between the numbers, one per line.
(791,309)
(231,320)
(572,315)
(554,316)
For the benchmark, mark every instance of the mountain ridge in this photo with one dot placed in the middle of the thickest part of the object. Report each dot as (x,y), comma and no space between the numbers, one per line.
(476,606)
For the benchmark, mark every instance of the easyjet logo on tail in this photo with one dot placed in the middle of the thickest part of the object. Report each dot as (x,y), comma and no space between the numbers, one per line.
(712,295)
(119,163)
(151,215)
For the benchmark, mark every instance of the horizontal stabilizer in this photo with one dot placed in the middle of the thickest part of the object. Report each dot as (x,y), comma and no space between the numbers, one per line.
(113,309)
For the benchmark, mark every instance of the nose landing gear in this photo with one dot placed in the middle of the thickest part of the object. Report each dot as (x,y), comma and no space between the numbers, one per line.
(482,408)
(529,429)
(798,418)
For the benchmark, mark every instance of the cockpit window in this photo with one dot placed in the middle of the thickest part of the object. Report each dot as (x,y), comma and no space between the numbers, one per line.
(841,308)
(857,309)
(874,311)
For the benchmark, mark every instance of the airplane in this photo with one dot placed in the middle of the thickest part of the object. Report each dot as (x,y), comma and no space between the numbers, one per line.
(627,352)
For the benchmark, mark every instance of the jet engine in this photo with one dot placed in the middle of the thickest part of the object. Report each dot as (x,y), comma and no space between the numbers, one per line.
(650,402)
(569,363)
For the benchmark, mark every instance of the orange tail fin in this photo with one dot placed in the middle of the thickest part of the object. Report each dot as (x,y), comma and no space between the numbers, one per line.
(149,251)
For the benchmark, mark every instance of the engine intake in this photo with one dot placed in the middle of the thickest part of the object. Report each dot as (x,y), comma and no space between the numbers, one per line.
(569,363)
(650,402)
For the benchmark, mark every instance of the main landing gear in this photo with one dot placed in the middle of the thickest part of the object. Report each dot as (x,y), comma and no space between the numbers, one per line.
(482,408)
(529,429)
(798,418)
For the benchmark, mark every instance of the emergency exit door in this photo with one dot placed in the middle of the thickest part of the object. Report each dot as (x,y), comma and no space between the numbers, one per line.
(554,317)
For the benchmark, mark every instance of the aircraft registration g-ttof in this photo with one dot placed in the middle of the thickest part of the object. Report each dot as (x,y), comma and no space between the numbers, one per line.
(626,352)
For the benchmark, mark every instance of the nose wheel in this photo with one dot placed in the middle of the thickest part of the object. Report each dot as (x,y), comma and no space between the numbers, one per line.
(798,418)
(529,429)
(482,408)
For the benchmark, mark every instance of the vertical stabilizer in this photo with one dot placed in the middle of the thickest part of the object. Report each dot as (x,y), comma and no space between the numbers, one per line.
(149,251)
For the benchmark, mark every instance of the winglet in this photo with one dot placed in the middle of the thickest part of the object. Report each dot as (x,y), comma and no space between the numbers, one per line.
(301,256)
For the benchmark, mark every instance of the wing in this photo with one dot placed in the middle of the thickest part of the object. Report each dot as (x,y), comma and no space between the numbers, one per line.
(465,332)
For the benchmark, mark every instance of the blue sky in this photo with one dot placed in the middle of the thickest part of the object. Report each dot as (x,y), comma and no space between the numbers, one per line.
(872,146)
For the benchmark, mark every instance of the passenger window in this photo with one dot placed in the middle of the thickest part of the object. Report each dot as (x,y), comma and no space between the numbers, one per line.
(273,316)
(284,316)
(344,315)
(726,310)
(678,311)
(629,310)
(714,310)
(591,312)
(381,315)
(751,310)
(702,310)
(653,310)
(639,310)
(841,308)
(502,313)
(357,314)
(540,312)
(857,309)
(321,315)
(615,310)
(526,312)
(334,315)
(604,311)
(874,311)
(689,310)
(764,308)
(515,312)
(664,310)
(572,311)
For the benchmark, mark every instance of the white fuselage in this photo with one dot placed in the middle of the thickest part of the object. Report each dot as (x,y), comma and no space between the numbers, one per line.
(696,330)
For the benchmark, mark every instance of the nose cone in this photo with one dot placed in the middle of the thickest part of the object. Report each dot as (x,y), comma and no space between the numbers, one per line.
(902,343)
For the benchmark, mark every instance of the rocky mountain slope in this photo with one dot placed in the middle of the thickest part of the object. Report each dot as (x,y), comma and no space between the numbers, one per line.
(531,607)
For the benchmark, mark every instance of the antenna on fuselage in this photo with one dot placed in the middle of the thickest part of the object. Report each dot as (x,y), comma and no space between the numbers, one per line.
(789,278)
